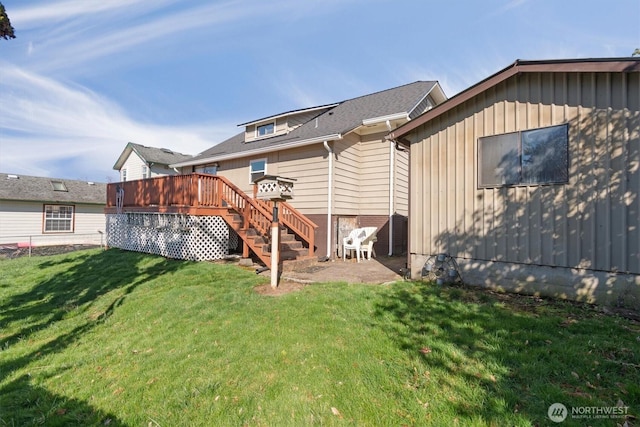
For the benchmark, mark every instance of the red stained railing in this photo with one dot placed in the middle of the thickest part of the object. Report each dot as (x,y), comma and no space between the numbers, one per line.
(208,191)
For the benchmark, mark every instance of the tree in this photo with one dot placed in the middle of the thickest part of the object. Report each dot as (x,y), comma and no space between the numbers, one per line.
(6,30)
(636,52)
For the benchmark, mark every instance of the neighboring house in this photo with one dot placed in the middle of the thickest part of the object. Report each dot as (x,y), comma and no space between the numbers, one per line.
(140,162)
(347,175)
(531,180)
(50,211)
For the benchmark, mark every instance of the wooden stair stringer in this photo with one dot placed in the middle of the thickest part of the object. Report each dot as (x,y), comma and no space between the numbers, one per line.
(248,235)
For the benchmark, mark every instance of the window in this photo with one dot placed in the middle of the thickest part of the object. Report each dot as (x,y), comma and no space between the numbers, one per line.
(257,168)
(145,171)
(537,156)
(58,218)
(58,186)
(264,130)
(210,169)
(123,175)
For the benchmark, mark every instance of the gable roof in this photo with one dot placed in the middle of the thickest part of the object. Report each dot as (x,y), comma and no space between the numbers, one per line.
(331,124)
(159,156)
(41,189)
(518,67)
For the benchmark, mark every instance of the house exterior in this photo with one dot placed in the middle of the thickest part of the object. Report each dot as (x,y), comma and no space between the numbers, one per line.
(139,162)
(40,211)
(530,179)
(347,175)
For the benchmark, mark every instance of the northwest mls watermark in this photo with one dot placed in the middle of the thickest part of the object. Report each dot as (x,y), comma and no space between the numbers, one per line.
(558,412)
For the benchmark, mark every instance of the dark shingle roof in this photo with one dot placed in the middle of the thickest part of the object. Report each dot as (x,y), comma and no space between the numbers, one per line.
(341,119)
(160,156)
(34,188)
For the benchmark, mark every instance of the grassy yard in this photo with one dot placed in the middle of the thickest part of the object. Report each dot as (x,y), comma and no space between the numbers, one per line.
(121,338)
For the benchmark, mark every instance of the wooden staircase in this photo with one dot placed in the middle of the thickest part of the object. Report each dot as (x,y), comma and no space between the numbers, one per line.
(203,194)
(251,219)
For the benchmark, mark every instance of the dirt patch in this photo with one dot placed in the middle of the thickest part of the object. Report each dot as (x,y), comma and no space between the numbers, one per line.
(284,287)
(14,251)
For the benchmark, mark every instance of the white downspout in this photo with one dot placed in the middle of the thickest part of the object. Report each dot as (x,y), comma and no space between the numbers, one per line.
(329,196)
(392,153)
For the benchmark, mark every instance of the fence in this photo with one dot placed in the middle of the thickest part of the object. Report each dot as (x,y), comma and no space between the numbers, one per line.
(8,243)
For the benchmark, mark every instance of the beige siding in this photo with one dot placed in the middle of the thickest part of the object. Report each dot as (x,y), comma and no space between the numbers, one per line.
(347,170)
(591,222)
(237,170)
(374,175)
(20,221)
(133,166)
(401,180)
(306,164)
(309,166)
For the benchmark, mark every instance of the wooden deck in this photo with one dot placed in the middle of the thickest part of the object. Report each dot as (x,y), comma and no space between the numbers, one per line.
(211,195)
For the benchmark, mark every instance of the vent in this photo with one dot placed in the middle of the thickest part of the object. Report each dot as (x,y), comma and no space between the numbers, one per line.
(166,150)
(13,177)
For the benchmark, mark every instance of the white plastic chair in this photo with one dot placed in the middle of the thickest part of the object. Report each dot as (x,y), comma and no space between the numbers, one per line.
(367,243)
(352,242)
(361,240)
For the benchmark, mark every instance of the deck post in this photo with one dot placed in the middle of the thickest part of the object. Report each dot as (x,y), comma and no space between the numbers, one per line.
(275,246)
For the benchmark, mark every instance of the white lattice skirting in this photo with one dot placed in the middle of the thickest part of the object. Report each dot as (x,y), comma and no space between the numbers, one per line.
(195,238)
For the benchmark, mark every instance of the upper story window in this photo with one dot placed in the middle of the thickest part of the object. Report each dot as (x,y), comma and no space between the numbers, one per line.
(537,156)
(257,168)
(123,175)
(145,171)
(264,130)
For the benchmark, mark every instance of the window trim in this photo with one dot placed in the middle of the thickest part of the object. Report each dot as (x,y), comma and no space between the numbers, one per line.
(71,221)
(273,123)
(251,172)
(521,182)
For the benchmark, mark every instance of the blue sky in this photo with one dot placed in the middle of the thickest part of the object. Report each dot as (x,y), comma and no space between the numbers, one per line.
(84,77)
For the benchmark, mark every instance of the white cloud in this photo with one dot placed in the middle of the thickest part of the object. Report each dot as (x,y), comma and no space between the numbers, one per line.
(60,122)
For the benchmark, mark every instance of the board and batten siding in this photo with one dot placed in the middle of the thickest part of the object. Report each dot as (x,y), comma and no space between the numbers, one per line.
(592,222)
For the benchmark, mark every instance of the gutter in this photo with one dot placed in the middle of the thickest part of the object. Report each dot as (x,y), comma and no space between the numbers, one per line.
(391,188)
(329,195)
(258,151)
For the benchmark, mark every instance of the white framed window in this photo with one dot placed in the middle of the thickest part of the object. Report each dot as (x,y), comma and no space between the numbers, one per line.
(123,174)
(58,218)
(145,171)
(257,168)
(265,130)
(531,157)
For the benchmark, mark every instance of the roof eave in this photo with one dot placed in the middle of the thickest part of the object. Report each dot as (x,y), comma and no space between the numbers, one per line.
(383,119)
(519,66)
(263,150)
(288,113)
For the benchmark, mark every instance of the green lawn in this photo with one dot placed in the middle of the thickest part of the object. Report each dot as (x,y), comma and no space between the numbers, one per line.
(121,338)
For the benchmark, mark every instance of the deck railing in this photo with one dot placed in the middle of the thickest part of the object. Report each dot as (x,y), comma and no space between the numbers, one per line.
(206,191)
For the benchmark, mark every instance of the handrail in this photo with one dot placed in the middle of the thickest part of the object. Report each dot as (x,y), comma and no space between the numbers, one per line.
(204,190)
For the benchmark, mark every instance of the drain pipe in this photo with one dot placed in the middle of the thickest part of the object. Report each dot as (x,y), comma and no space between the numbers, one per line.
(392,168)
(329,196)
